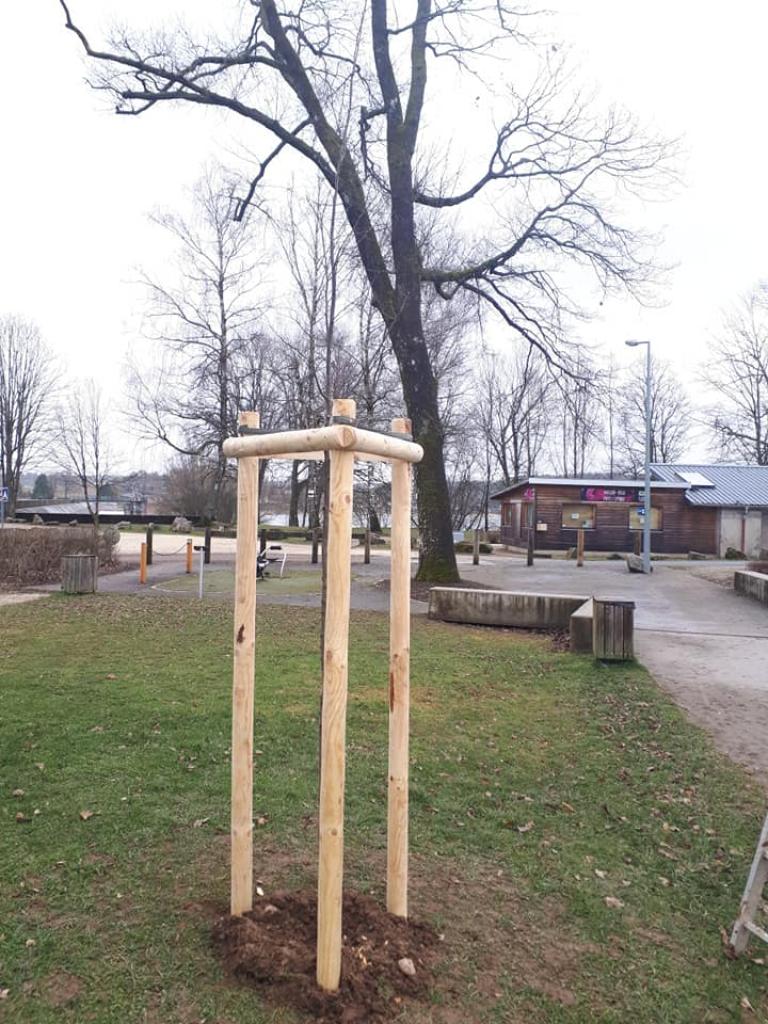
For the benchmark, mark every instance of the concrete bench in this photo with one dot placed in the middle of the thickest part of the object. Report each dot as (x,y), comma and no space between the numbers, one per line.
(503,608)
(612,640)
(580,627)
(752,584)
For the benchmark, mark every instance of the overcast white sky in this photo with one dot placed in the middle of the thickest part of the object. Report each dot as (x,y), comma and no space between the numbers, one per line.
(78,182)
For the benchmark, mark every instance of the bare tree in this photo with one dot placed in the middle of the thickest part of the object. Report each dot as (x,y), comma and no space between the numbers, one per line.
(552,169)
(738,371)
(578,416)
(513,411)
(670,419)
(210,329)
(190,483)
(26,393)
(83,444)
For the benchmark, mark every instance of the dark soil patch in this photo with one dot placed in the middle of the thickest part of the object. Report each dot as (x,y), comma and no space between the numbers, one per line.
(273,946)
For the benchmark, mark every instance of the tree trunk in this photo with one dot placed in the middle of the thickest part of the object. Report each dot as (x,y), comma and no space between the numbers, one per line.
(437,561)
(296,486)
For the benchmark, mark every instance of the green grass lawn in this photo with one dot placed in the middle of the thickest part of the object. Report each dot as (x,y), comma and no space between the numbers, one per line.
(541,785)
(222,581)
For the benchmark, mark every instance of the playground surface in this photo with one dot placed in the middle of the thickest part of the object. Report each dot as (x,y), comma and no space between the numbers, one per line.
(577,844)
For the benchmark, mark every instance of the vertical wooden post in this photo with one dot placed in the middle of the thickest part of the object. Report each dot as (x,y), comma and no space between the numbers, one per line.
(334,713)
(207,540)
(399,684)
(189,555)
(143,562)
(242,677)
(476,548)
(315,544)
(262,541)
(367,546)
(579,548)
(531,532)
(149,539)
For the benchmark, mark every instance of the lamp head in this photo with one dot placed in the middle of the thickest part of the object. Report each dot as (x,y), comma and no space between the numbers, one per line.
(634,344)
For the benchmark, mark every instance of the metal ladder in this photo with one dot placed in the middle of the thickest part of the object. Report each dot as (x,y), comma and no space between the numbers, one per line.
(753,894)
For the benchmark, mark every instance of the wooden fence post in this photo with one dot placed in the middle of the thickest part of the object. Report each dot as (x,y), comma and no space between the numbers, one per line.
(143,562)
(189,555)
(150,539)
(242,677)
(399,684)
(579,548)
(367,546)
(315,544)
(334,712)
(476,548)
(207,543)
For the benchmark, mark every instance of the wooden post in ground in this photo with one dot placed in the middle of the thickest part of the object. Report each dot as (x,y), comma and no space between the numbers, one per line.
(334,712)
(143,562)
(476,548)
(189,555)
(149,539)
(531,532)
(315,544)
(242,678)
(367,546)
(207,544)
(399,684)
(579,548)
(262,541)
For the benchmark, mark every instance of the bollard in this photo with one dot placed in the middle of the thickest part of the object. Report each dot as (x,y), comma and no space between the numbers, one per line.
(189,555)
(579,549)
(149,536)
(143,563)
(315,543)
(201,549)
(367,549)
(476,548)
(207,545)
(262,541)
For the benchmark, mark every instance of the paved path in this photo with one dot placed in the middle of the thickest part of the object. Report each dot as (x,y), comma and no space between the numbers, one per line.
(705,644)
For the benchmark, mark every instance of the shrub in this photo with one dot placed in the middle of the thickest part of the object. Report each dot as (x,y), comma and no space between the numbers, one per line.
(734,555)
(465,547)
(34,556)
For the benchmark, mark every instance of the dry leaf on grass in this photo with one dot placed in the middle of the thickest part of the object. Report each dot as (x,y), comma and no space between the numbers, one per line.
(613,902)
(85,815)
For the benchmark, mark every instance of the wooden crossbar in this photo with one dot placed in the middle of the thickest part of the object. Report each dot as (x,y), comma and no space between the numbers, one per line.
(337,437)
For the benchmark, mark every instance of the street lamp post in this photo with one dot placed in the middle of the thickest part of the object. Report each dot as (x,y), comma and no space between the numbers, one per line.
(647,498)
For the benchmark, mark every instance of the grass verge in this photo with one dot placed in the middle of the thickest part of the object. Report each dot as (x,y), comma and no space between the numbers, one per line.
(576,841)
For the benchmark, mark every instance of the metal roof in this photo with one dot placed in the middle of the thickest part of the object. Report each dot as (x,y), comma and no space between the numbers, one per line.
(730,485)
(589,481)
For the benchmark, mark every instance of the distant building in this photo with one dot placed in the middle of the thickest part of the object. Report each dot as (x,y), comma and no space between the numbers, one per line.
(693,508)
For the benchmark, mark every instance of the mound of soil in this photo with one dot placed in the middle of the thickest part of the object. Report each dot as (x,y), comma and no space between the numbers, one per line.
(273,946)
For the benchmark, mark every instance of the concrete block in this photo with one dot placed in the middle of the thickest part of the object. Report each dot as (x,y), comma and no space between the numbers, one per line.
(580,628)
(503,608)
(752,584)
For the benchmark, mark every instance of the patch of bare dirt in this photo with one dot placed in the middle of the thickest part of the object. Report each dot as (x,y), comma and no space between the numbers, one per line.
(60,989)
(273,947)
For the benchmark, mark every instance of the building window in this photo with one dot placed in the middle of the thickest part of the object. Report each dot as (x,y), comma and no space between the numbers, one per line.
(636,520)
(578,517)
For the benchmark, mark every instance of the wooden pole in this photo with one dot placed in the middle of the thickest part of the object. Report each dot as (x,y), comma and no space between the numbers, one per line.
(334,713)
(476,548)
(149,539)
(242,678)
(399,684)
(143,562)
(207,543)
(367,546)
(189,555)
(315,544)
(579,548)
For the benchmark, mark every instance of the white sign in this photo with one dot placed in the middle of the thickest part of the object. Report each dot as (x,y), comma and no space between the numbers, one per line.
(3,494)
